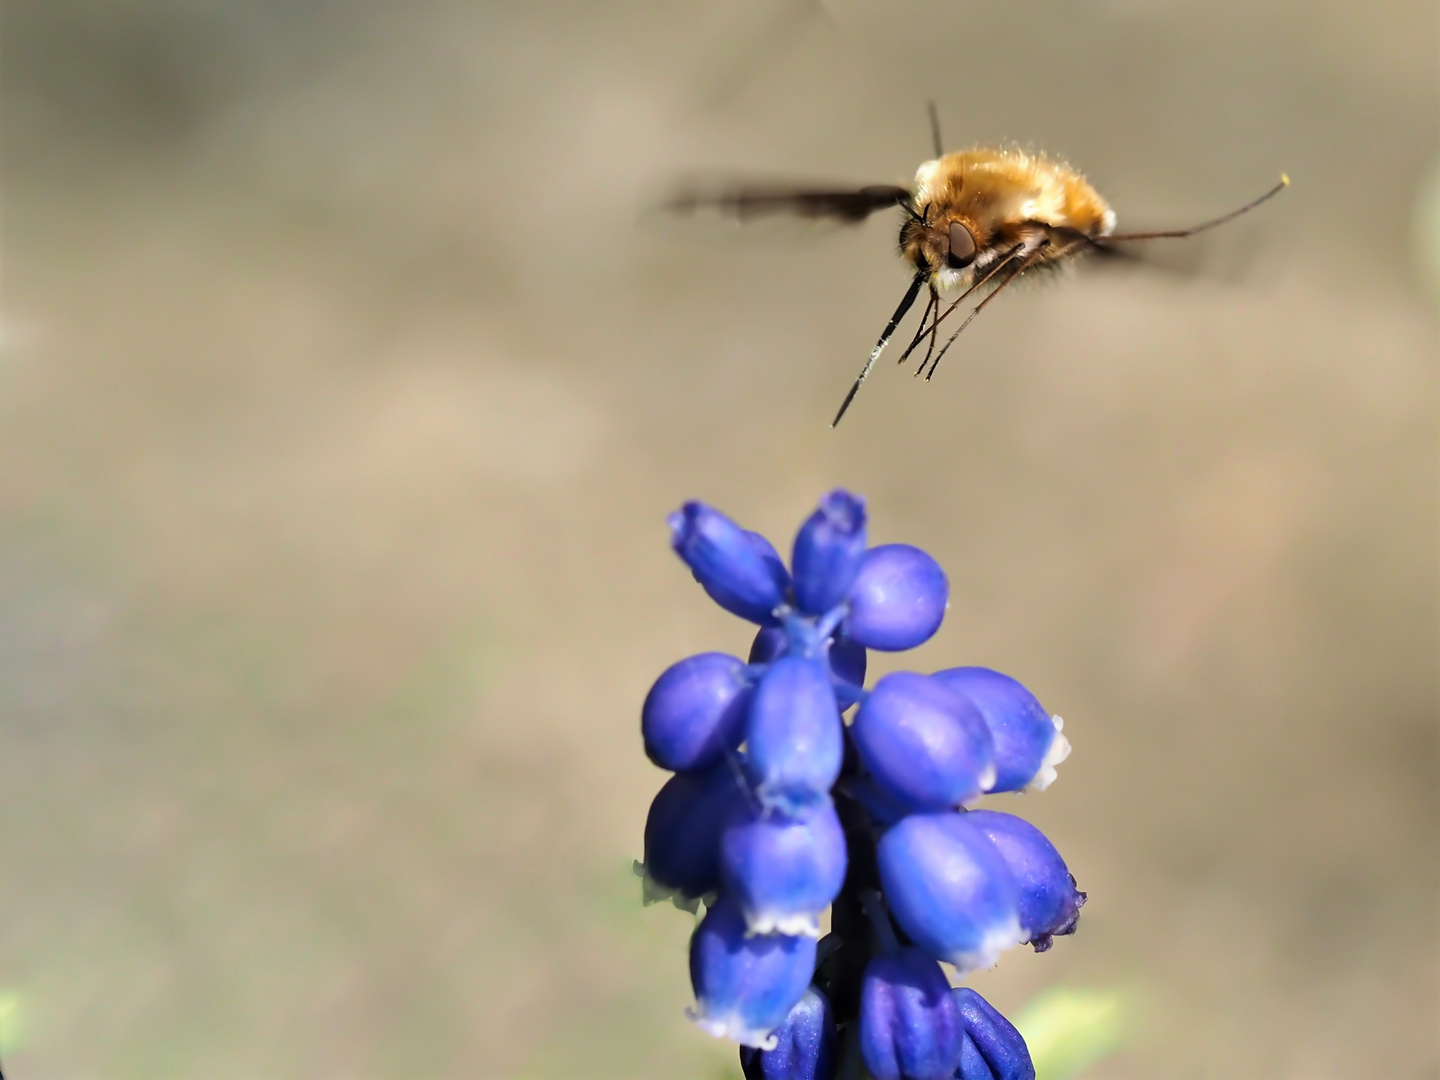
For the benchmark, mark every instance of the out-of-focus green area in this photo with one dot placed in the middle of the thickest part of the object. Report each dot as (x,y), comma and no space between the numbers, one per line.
(1068,1029)
(345,385)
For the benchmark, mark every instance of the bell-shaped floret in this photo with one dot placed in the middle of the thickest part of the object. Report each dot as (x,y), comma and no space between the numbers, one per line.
(745,985)
(1049,902)
(794,734)
(1028,740)
(770,642)
(783,870)
(994,1050)
(909,1019)
(923,743)
(695,713)
(972,1065)
(898,599)
(949,889)
(804,1045)
(847,661)
(740,570)
(828,552)
(682,835)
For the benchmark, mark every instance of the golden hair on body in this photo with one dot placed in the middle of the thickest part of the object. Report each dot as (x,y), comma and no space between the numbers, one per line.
(976,219)
(1004,200)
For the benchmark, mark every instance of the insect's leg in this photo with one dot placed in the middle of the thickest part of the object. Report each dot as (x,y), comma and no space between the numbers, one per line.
(1009,256)
(906,302)
(978,308)
(1180,234)
(932,307)
(934,330)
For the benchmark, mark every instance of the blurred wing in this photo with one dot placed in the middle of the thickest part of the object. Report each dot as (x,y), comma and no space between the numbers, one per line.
(1200,258)
(747,200)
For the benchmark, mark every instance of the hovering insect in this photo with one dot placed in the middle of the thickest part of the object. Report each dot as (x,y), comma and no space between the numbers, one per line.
(975,219)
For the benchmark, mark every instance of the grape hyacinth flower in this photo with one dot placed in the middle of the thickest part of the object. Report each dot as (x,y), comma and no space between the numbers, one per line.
(780,809)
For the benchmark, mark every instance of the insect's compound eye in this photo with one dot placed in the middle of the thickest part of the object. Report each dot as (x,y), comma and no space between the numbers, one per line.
(962,247)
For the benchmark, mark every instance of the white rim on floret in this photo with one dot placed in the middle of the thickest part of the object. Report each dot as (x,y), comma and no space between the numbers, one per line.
(1004,936)
(652,892)
(733,1027)
(988,777)
(791,924)
(1058,752)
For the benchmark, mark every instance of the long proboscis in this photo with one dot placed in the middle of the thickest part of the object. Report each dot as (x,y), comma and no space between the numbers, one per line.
(906,302)
(1180,234)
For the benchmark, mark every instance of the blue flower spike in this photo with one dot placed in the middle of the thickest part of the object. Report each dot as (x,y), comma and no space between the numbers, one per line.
(1029,743)
(804,1045)
(745,985)
(949,889)
(924,743)
(784,871)
(1049,901)
(778,809)
(993,1049)
(795,736)
(829,549)
(695,713)
(898,599)
(740,570)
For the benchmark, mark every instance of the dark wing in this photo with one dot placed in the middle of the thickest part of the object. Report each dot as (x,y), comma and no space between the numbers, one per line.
(746,200)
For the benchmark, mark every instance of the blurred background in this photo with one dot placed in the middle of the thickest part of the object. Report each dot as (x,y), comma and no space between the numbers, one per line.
(345,383)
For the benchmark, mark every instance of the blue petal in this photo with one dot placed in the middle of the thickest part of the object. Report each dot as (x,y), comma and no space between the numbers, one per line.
(1024,732)
(923,743)
(972,1065)
(1049,902)
(828,552)
(804,1048)
(784,871)
(898,598)
(740,570)
(794,734)
(745,986)
(994,1040)
(949,889)
(695,713)
(682,834)
(909,1019)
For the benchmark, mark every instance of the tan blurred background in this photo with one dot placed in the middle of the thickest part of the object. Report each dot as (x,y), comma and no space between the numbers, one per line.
(345,387)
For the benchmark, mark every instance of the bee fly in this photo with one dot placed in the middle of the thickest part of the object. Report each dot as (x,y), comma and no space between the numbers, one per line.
(975,219)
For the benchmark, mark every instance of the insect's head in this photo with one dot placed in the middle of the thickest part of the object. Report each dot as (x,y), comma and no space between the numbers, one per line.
(948,245)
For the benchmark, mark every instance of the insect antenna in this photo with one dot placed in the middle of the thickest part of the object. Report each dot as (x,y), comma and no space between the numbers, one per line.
(1177,234)
(920,334)
(935,130)
(905,303)
(971,317)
